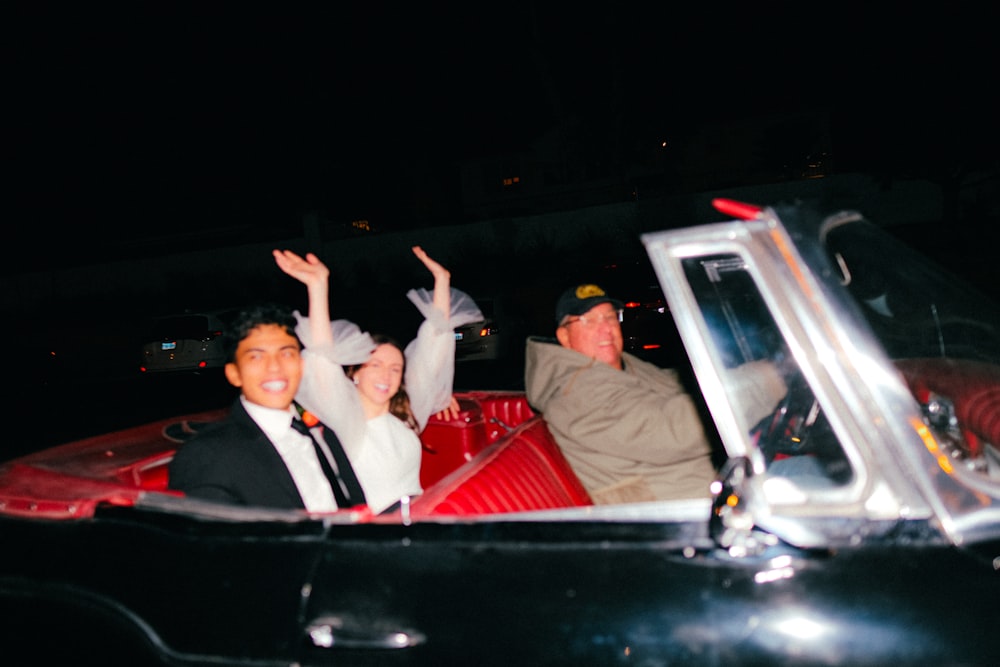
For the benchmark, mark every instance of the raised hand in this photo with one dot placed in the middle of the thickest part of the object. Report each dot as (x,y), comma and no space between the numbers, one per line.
(442,280)
(438,271)
(315,275)
(308,270)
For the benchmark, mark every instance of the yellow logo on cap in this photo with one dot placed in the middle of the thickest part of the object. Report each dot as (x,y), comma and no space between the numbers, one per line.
(588,291)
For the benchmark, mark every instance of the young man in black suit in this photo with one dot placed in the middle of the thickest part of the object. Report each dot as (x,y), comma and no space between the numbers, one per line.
(256,456)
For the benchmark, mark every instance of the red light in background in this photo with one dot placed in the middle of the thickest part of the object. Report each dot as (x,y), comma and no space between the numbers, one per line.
(736,208)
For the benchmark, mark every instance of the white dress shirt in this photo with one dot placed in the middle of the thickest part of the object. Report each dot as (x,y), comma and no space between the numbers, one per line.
(296,450)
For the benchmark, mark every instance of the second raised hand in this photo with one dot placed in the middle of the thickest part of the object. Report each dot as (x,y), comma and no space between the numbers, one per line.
(442,280)
(438,271)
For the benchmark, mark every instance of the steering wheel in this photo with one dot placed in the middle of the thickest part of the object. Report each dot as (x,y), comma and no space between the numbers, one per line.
(786,430)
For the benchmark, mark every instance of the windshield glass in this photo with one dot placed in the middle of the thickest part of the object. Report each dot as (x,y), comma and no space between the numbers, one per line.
(941,335)
(915,307)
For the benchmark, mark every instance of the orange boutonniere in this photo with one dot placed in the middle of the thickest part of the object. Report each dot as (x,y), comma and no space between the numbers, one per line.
(308,418)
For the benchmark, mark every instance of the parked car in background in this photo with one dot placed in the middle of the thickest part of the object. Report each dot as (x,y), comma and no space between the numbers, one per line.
(648,330)
(857,524)
(183,342)
(499,335)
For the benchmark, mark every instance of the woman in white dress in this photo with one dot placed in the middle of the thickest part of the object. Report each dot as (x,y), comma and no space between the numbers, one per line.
(374,394)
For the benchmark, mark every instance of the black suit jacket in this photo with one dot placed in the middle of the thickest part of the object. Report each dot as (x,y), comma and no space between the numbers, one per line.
(233,461)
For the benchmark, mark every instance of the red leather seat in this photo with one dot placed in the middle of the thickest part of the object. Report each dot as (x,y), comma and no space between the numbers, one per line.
(485,417)
(526,471)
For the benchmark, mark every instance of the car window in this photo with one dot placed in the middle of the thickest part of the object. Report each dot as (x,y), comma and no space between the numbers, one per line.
(792,435)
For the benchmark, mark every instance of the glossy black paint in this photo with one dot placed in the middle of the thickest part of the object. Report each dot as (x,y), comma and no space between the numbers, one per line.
(509,593)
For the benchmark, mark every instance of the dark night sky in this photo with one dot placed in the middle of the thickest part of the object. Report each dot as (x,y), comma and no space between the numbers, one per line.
(146,121)
(137,128)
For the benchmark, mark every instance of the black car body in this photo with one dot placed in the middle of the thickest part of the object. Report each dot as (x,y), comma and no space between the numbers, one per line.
(883,550)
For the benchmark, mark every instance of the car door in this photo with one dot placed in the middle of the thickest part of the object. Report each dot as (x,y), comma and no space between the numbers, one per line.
(143,586)
(610,589)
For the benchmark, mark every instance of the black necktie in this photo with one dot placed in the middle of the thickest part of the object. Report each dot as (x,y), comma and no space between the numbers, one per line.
(354,494)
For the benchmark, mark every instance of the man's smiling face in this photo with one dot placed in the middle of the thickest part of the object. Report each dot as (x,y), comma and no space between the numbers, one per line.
(597,334)
(268,367)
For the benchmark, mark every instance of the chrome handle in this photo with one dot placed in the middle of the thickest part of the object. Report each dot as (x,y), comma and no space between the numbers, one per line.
(330,632)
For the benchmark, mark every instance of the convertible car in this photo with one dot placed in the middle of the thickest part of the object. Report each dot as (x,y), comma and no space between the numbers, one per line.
(858,523)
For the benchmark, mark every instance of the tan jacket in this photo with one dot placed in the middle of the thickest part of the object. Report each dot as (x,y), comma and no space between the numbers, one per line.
(631,434)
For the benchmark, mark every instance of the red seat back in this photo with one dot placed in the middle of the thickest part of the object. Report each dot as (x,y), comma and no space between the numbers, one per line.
(525,471)
(485,417)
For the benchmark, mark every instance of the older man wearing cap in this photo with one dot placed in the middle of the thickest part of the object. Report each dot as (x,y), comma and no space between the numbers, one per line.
(628,427)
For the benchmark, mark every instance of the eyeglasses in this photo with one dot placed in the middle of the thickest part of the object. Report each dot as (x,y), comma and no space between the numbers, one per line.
(596,320)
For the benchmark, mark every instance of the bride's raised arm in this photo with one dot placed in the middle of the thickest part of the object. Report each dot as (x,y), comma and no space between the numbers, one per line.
(315,275)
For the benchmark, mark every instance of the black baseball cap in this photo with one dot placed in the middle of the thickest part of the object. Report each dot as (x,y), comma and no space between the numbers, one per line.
(578,300)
